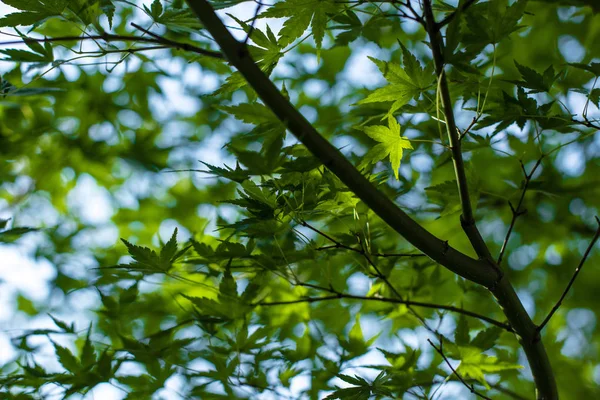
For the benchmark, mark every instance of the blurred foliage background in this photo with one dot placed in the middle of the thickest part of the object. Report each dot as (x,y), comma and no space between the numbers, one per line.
(102,139)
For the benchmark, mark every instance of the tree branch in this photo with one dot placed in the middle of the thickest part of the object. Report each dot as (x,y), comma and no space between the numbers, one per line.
(467,220)
(572,281)
(517,212)
(337,295)
(120,38)
(438,250)
(503,290)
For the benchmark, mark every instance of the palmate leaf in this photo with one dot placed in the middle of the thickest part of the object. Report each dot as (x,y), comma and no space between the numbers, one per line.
(535,81)
(89,11)
(493,21)
(237,175)
(391,144)
(66,358)
(362,390)
(178,20)
(88,354)
(32,11)
(254,113)
(301,13)
(474,364)
(593,67)
(266,52)
(404,84)
(147,260)
(10,235)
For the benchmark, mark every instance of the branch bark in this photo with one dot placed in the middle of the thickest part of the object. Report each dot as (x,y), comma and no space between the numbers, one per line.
(484,272)
(503,291)
(467,220)
(438,250)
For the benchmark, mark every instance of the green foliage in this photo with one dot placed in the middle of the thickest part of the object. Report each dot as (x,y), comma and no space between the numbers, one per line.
(247,269)
(391,144)
(301,13)
(404,84)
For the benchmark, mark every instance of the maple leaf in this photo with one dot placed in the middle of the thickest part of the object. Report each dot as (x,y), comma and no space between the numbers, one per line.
(390,143)
(301,13)
(404,84)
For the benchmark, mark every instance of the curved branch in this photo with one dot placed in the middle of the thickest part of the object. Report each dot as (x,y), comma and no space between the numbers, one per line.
(438,250)
(503,291)
(467,220)
(337,296)
(120,38)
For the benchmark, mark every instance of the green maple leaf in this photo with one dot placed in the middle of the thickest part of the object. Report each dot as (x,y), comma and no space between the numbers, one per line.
(254,113)
(475,364)
(266,52)
(390,143)
(32,12)
(402,86)
(301,13)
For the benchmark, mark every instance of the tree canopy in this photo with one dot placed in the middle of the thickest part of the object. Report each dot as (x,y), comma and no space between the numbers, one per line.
(299,199)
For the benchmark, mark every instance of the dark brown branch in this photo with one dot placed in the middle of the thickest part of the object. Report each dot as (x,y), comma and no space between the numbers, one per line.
(238,55)
(471,388)
(467,220)
(586,122)
(468,129)
(502,289)
(572,281)
(453,15)
(119,38)
(338,295)
(517,212)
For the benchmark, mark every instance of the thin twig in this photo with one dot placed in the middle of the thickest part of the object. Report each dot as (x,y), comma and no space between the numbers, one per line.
(517,212)
(118,38)
(572,281)
(338,295)
(338,245)
(409,255)
(495,386)
(467,219)
(251,29)
(586,122)
(466,131)
(471,388)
